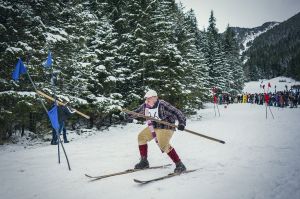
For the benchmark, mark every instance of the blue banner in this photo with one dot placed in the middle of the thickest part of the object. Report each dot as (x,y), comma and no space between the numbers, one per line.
(19,70)
(48,62)
(53,116)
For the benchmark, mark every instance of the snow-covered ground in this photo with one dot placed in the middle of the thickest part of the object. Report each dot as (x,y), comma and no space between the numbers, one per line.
(260,159)
(281,83)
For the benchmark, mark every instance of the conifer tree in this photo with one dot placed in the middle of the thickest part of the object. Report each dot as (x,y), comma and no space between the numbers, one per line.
(214,55)
(195,77)
(231,49)
(165,56)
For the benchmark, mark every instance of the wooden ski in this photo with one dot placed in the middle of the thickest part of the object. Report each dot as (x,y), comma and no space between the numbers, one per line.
(170,175)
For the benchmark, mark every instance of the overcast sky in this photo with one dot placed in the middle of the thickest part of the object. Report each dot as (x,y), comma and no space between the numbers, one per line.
(242,13)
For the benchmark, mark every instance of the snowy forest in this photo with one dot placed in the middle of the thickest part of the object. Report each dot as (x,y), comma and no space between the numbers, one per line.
(106,54)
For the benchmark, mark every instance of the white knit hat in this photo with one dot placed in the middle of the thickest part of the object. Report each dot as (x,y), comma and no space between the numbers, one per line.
(150,93)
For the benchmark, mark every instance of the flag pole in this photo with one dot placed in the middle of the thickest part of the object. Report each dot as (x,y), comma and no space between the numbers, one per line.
(267,99)
(52,82)
(266,110)
(269,85)
(215,101)
(58,150)
(215,109)
(43,104)
(218,109)
(62,146)
(214,98)
(271,112)
(49,59)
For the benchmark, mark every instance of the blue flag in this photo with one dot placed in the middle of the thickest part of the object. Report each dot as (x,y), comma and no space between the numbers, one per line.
(53,116)
(19,70)
(48,62)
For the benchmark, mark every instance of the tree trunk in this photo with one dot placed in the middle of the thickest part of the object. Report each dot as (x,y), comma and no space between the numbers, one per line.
(22,130)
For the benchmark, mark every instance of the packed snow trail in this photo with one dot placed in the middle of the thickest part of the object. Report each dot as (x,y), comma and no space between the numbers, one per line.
(259,160)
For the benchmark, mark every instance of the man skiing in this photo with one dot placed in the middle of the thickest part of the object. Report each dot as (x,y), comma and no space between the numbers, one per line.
(162,134)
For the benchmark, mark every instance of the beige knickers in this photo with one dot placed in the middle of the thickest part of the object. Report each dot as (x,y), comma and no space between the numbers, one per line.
(163,136)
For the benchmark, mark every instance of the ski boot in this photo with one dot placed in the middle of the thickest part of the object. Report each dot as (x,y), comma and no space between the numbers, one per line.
(179,167)
(143,164)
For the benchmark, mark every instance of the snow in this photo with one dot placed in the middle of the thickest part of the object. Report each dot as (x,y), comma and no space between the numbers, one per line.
(280,83)
(100,68)
(58,30)
(14,50)
(21,93)
(259,160)
(85,64)
(111,78)
(78,100)
(24,45)
(54,38)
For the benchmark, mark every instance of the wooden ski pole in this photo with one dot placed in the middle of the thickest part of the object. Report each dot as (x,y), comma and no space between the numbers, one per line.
(60,103)
(171,125)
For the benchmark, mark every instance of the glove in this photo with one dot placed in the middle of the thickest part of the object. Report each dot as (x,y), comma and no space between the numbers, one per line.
(180,127)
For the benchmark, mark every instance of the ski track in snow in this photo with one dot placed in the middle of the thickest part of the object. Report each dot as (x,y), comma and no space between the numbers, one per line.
(260,160)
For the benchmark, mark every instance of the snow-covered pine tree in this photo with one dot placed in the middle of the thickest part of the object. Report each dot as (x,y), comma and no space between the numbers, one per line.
(192,60)
(26,30)
(199,43)
(91,76)
(224,69)
(202,45)
(124,15)
(137,17)
(202,69)
(215,56)
(164,72)
(233,59)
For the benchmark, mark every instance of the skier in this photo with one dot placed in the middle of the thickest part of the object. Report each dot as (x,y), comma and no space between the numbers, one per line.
(63,113)
(162,134)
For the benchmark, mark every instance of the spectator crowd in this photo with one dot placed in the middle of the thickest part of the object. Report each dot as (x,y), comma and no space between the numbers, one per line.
(279,99)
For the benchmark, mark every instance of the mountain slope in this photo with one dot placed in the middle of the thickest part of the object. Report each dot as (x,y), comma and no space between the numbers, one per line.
(275,52)
(245,36)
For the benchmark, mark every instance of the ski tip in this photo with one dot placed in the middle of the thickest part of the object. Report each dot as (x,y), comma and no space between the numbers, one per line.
(139,181)
(187,171)
(223,142)
(192,170)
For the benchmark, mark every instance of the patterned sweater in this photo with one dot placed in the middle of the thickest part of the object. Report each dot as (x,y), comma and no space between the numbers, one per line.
(166,112)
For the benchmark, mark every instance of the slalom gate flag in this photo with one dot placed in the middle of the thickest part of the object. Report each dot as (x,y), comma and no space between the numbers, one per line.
(48,62)
(19,70)
(215,99)
(53,116)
